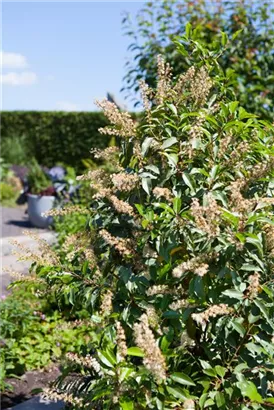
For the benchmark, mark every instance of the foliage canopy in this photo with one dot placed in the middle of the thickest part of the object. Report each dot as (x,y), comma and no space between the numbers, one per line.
(251,57)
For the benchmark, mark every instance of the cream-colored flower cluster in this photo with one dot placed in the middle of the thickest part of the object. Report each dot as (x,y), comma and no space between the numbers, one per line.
(121,340)
(157,290)
(53,395)
(120,206)
(86,361)
(164,80)
(75,243)
(189,404)
(44,256)
(71,209)
(183,81)
(261,170)
(146,95)
(108,154)
(154,360)
(96,175)
(17,276)
(254,285)
(195,265)
(207,218)
(238,202)
(125,182)
(269,237)
(200,86)
(213,311)
(195,133)
(123,246)
(106,303)
(126,127)
(160,192)
(179,304)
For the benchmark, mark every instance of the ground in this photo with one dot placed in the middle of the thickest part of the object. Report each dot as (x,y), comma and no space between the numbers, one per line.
(13,222)
(27,386)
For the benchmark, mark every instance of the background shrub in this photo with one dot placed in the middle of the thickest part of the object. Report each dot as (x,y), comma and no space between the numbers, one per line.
(51,137)
(157,25)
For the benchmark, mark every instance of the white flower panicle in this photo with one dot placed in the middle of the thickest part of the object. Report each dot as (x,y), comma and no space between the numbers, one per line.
(157,290)
(160,192)
(254,285)
(207,218)
(154,360)
(213,311)
(195,265)
(125,182)
(71,209)
(126,127)
(121,340)
(106,303)
(86,361)
(121,245)
(120,206)
(53,395)
(164,80)
(189,404)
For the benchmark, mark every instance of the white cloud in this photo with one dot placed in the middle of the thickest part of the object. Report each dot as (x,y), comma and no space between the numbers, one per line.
(13,60)
(24,78)
(67,106)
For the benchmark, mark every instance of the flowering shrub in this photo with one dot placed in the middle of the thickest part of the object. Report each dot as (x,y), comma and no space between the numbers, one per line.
(176,264)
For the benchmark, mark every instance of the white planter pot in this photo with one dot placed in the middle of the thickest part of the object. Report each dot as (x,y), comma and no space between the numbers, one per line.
(37,205)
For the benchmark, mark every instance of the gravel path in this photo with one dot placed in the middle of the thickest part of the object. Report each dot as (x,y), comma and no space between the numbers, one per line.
(13,222)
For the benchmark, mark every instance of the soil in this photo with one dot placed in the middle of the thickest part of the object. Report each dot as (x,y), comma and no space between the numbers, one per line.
(27,386)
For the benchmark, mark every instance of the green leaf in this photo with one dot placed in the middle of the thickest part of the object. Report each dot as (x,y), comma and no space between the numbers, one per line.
(249,390)
(145,145)
(238,327)
(188,30)
(221,371)
(233,294)
(146,184)
(210,372)
(236,34)
(176,392)
(264,311)
(188,181)
(126,404)
(203,400)
(104,359)
(224,39)
(169,142)
(173,108)
(135,351)
(177,203)
(220,399)
(182,379)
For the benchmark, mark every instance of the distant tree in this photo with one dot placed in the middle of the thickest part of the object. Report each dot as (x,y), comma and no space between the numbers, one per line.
(251,55)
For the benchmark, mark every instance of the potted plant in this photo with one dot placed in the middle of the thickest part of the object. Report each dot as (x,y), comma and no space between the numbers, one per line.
(45,189)
(41,195)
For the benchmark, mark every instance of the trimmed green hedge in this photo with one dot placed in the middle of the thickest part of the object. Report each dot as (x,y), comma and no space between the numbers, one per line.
(53,137)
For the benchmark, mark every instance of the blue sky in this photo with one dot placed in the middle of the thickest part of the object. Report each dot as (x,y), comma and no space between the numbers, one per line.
(62,55)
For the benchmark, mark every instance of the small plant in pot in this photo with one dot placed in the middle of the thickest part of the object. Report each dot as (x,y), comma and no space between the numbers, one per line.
(46,189)
(41,196)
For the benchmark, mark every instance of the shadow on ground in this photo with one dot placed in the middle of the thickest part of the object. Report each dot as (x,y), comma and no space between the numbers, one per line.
(21,224)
